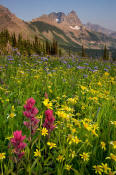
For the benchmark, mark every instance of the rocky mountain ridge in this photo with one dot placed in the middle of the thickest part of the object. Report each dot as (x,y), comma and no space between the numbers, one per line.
(100,29)
(68,30)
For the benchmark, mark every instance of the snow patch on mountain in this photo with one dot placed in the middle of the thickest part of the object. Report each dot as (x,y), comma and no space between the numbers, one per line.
(75,28)
(57,20)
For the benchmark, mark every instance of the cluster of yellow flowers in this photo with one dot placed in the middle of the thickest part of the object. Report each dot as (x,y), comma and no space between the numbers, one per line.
(47,103)
(103,168)
(73,139)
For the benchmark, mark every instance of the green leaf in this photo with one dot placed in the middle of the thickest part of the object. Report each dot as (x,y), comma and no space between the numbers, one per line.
(76,172)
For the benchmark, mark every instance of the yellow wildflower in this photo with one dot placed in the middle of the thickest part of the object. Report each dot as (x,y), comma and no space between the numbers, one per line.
(47,103)
(12,115)
(36,76)
(86,125)
(12,108)
(76,122)
(78,114)
(90,98)
(37,153)
(66,108)
(112,78)
(112,172)
(83,88)
(2,156)
(85,156)
(93,91)
(98,169)
(105,168)
(113,143)
(87,120)
(51,144)
(95,126)
(64,96)
(7,100)
(68,167)
(9,137)
(71,101)
(73,130)
(60,158)
(113,123)
(83,107)
(70,139)
(39,117)
(95,98)
(99,83)
(106,74)
(44,132)
(76,140)
(62,114)
(94,132)
(72,154)
(103,145)
(113,157)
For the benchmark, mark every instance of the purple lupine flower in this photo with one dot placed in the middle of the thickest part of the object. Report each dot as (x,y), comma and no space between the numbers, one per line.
(80,67)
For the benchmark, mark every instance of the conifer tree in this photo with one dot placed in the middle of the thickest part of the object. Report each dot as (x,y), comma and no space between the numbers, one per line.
(83,51)
(106,53)
(13,40)
(4,38)
(69,52)
(60,52)
(36,45)
(47,47)
(54,48)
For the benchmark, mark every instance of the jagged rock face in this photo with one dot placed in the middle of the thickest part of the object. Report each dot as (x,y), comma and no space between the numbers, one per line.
(72,19)
(60,18)
(57,17)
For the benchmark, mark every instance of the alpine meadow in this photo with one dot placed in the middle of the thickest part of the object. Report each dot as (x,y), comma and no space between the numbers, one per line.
(57,95)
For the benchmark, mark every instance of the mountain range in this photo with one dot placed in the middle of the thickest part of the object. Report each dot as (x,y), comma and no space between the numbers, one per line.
(68,30)
(100,29)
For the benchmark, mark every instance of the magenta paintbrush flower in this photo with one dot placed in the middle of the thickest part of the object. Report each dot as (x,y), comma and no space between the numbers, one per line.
(49,120)
(30,103)
(18,144)
(30,112)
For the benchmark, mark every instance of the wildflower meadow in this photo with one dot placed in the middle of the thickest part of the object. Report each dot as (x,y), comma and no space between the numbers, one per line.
(57,116)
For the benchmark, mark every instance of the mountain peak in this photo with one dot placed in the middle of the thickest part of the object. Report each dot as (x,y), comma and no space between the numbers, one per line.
(73,19)
(73,12)
(1,6)
(4,9)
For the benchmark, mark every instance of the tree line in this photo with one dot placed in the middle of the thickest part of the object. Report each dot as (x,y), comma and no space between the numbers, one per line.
(10,42)
(106,55)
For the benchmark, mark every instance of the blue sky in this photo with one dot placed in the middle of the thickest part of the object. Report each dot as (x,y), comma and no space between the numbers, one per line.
(101,12)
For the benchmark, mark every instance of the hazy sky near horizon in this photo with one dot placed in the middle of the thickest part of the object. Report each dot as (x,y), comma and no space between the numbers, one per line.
(101,12)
